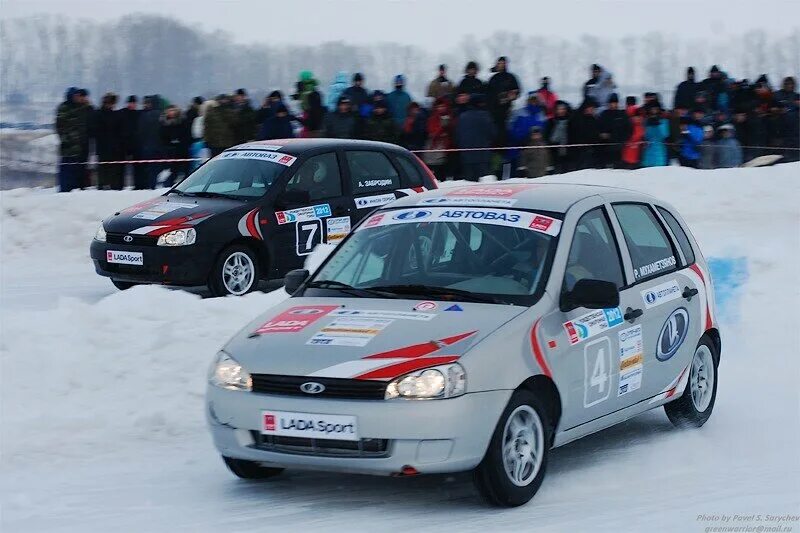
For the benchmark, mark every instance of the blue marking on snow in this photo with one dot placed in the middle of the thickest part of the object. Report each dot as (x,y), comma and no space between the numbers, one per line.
(729,274)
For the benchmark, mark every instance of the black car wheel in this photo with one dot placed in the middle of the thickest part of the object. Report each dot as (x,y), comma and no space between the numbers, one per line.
(250,469)
(694,406)
(514,465)
(236,272)
(123,285)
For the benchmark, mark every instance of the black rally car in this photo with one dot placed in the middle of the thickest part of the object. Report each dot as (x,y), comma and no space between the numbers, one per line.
(253,212)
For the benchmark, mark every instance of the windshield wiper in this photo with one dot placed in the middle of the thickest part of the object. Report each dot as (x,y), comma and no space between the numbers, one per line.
(344,287)
(176,191)
(428,290)
(209,194)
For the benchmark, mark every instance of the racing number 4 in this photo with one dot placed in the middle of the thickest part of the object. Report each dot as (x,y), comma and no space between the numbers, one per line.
(309,234)
(597,363)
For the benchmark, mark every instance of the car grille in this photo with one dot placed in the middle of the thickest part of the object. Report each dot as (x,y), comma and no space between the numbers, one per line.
(351,389)
(365,448)
(140,240)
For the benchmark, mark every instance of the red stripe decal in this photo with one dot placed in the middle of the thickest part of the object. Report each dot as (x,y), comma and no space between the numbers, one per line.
(709,323)
(419,189)
(398,369)
(420,350)
(537,350)
(251,224)
(166,229)
(671,392)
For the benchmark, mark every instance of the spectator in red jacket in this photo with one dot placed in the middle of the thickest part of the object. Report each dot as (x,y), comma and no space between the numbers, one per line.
(547,98)
(441,128)
(632,151)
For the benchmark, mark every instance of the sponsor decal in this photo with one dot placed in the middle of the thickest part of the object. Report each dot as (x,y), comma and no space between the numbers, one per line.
(349,331)
(498,217)
(454,307)
(303,214)
(654,267)
(336,229)
(672,334)
(125,258)
(470,200)
(158,210)
(665,292)
(256,146)
(592,323)
(490,190)
(309,425)
(262,155)
(381,313)
(365,202)
(295,319)
(631,360)
(374,220)
(425,306)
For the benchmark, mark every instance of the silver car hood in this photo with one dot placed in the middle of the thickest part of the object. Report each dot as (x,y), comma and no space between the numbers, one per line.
(363,338)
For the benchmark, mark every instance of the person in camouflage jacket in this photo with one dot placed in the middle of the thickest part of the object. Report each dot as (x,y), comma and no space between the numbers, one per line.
(72,126)
(219,125)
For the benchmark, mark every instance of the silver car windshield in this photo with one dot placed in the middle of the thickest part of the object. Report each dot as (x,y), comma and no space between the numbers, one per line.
(235,178)
(495,263)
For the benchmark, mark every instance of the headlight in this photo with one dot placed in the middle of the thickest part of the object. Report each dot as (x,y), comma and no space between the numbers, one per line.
(100,234)
(179,237)
(228,374)
(446,381)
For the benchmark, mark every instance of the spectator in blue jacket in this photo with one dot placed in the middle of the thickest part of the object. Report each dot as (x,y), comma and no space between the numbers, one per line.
(656,132)
(522,122)
(337,87)
(691,137)
(475,129)
(398,101)
(728,151)
(277,126)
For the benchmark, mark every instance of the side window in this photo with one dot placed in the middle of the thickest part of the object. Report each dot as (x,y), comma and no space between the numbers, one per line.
(677,230)
(319,176)
(650,248)
(594,253)
(411,170)
(371,172)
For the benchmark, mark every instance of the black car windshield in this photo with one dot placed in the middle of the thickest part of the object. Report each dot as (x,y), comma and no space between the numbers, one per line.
(465,254)
(234,176)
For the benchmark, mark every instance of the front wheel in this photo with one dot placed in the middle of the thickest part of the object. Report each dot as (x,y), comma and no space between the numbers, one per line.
(236,272)
(694,406)
(514,465)
(250,469)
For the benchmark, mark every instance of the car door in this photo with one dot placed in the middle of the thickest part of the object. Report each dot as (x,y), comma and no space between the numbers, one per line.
(312,208)
(587,362)
(372,179)
(664,290)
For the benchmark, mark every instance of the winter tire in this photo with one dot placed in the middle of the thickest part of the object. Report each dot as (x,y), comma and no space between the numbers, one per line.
(236,272)
(250,469)
(694,406)
(514,465)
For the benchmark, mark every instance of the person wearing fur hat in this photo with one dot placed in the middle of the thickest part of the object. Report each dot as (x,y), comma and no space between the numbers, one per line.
(109,144)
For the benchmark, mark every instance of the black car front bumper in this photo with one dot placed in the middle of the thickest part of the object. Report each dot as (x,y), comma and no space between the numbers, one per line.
(169,265)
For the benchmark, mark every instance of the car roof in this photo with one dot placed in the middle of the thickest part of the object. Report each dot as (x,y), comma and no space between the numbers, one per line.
(297,147)
(539,196)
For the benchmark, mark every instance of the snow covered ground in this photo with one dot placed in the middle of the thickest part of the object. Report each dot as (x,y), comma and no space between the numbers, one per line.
(102,393)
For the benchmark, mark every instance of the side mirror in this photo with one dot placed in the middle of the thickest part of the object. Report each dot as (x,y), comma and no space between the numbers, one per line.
(294,279)
(293,198)
(592,294)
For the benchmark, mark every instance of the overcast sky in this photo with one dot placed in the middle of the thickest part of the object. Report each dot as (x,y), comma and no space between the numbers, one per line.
(437,22)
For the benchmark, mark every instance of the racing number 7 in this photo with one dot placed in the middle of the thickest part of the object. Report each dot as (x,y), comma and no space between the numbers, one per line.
(309,234)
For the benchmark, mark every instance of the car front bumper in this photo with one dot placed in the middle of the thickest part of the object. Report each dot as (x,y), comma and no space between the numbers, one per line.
(171,265)
(432,436)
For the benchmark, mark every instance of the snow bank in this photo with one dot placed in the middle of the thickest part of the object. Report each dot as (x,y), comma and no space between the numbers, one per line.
(102,401)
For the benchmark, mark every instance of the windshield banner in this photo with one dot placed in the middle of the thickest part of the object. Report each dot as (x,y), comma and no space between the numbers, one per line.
(261,155)
(476,215)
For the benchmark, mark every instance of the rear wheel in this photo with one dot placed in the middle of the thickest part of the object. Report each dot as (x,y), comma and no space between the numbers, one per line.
(236,272)
(694,406)
(514,465)
(250,469)
(123,285)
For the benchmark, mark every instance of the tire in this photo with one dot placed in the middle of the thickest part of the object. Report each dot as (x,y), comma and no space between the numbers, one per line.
(493,481)
(123,285)
(224,278)
(695,405)
(250,469)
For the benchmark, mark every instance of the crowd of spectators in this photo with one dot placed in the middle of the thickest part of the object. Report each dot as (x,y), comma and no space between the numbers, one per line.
(462,130)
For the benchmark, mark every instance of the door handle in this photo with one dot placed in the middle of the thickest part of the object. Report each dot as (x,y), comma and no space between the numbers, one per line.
(632,314)
(688,293)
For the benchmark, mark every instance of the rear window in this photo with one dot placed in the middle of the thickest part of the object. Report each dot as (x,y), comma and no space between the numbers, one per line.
(371,172)
(650,248)
(677,230)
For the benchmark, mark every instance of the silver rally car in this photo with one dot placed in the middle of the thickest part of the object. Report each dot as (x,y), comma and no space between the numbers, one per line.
(474,328)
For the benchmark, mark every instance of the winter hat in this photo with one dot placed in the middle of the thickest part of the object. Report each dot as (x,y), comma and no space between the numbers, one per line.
(197,100)
(241,92)
(343,100)
(471,65)
(276,94)
(306,75)
(132,99)
(378,94)
(630,100)
(399,80)
(762,80)
(613,98)
(533,94)
(714,69)
(595,66)
(442,67)
(726,127)
(110,98)
(72,91)
(499,59)
(82,92)
(358,77)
